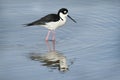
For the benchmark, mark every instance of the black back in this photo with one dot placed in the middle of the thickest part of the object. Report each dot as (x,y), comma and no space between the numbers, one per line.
(45,19)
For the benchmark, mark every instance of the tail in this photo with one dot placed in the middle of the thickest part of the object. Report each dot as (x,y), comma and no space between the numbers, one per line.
(29,24)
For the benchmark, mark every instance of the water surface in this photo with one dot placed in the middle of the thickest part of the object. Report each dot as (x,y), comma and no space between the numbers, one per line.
(89,49)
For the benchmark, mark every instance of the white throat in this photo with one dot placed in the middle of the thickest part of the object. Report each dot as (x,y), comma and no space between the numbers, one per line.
(63,16)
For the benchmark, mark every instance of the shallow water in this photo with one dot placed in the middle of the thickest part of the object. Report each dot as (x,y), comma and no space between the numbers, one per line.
(89,49)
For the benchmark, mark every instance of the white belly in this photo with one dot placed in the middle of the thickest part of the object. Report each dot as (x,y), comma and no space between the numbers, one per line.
(54,25)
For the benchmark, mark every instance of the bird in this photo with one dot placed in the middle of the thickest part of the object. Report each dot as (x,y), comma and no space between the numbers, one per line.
(52,22)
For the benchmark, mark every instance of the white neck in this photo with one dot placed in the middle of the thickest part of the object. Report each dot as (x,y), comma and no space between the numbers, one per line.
(63,16)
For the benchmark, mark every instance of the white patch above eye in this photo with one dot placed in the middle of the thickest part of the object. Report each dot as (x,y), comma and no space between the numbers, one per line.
(65,11)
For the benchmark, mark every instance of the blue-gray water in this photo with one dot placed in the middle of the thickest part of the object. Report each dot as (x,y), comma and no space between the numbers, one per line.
(91,47)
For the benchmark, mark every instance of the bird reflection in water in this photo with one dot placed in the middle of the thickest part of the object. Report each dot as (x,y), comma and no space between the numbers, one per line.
(52,58)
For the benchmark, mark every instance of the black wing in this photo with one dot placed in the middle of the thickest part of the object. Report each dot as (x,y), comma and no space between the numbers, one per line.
(44,20)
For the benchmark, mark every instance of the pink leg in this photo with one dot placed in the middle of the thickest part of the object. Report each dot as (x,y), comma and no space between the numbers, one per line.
(51,47)
(47,35)
(48,45)
(53,35)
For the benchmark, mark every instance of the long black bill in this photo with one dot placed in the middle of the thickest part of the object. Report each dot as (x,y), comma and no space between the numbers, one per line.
(72,19)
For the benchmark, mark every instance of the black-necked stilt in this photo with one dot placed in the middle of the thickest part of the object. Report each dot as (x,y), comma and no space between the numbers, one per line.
(52,21)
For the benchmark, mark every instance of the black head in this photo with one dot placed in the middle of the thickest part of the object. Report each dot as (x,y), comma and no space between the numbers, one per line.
(63,10)
(63,13)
